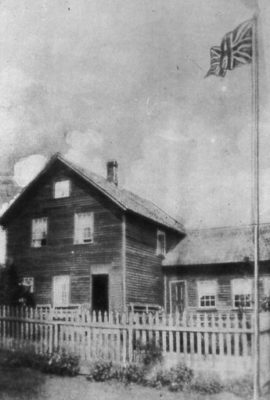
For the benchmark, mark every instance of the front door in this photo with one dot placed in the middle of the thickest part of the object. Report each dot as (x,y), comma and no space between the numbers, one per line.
(100,292)
(178,295)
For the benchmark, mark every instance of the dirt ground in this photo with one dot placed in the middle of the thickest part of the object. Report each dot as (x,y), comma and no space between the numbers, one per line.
(27,384)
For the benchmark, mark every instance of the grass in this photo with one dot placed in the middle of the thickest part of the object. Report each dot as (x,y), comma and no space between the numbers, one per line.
(20,383)
(25,383)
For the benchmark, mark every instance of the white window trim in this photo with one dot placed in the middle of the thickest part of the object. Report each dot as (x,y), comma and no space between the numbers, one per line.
(33,233)
(77,240)
(55,196)
(250,281)
(205,282)
(161,252)
(266,286)
(54,278)
(170,292)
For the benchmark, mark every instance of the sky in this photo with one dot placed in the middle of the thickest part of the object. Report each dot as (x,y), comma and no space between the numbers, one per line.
(124,79)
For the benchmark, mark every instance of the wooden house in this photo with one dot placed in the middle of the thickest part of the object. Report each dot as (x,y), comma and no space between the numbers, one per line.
(212,269)
(77,238)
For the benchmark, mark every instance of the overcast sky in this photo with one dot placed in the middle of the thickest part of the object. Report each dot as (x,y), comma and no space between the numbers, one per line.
(124,79)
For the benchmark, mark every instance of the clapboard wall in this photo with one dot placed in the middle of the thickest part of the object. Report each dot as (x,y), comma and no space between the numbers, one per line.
(60,256)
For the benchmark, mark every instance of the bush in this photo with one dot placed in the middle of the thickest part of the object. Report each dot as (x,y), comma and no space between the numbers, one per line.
(206,384)
(61,364)
(176,377)
(150,353)
(131,373)
(101,371)
(56,363)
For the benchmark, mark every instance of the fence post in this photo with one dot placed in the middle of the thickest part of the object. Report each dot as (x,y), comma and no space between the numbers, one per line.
(130,337)
(55,335)
(265,346)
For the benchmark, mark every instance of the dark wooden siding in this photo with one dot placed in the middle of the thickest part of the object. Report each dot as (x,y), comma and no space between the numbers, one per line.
(144,279)
(223,274)
(61,256)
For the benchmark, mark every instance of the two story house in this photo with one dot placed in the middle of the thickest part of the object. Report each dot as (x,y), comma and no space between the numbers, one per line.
(76,237)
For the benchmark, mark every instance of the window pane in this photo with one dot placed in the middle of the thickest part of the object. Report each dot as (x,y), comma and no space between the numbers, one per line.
(61,189)
(207,301)
(84,228)
(39,232)
(61,287)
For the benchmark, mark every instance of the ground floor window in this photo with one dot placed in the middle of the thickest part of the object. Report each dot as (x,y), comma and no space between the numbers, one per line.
(207,293)
(266,286)
(28,283)
(241,292)
(61,290)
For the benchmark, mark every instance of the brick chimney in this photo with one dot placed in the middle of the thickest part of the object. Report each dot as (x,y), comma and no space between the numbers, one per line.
(112,171)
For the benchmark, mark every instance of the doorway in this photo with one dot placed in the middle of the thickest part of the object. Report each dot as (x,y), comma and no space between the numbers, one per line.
(177,296)
(100,292)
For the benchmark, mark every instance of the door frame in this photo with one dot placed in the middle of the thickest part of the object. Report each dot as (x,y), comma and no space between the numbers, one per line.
(100,269)
(170,292)
(108,289)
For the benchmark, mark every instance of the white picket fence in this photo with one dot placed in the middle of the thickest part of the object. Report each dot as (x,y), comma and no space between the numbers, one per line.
(193,338)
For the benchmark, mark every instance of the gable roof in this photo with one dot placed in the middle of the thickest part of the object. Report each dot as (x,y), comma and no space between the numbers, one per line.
(219,246)
(123,198)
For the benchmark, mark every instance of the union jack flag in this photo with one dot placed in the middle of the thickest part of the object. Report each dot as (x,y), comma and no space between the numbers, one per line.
(235,50)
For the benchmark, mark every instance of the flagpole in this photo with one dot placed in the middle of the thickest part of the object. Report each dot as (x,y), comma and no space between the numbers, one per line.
(256,203)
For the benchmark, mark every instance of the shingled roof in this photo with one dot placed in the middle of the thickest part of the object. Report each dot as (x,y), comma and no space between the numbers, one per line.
(219,246)
(125,199)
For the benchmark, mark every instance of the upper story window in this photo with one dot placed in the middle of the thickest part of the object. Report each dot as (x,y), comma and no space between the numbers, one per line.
(207,293)
(39,232)
(241,292)
(84,228)
(61,189)
(161,243)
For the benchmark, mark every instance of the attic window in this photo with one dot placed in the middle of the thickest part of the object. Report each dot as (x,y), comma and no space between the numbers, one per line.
(161,243)
(39,232)
(61,189)
(84,228)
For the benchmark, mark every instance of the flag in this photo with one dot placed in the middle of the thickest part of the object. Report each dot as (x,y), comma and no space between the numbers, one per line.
(235,50)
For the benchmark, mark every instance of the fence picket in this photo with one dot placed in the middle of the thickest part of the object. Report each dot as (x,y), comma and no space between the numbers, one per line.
(114,336)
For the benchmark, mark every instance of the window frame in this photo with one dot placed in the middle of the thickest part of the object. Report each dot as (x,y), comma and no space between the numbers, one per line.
(32,285)
(161,251)
(200,295)
(61,181)
(79,239)
(266,286)
(250,282)
(54,279)
(33,233)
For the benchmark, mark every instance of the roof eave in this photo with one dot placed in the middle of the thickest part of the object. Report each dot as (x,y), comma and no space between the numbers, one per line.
(57,156)
(171,228)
